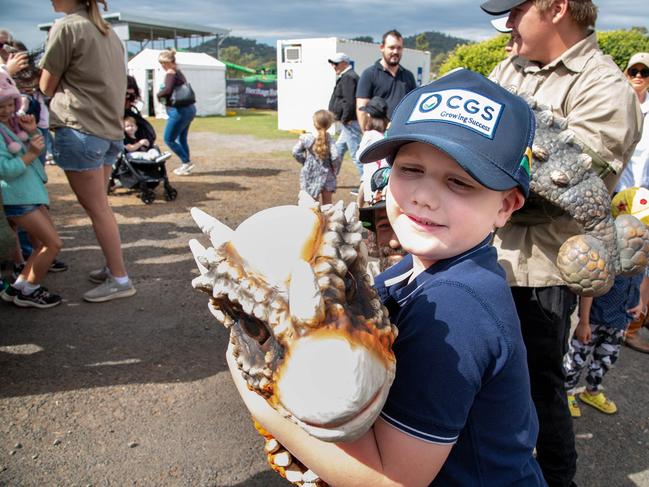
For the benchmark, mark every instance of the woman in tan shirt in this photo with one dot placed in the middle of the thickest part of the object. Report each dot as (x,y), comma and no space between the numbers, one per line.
(84,71)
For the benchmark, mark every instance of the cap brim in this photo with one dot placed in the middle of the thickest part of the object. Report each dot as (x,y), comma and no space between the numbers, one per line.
(483,171)
(499,7)
(500,24)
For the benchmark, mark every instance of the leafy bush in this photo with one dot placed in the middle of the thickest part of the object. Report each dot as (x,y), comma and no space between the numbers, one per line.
(622,44)
(484,56)
(480,57)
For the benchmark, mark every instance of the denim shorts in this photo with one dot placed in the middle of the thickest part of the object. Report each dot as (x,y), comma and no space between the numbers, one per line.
(19,210)
(76,151)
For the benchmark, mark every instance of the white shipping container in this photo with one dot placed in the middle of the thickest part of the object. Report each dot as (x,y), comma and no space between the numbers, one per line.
(305,79)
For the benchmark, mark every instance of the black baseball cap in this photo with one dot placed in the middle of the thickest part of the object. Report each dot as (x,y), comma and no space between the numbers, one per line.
(499,7)
(376,107)
(485,128)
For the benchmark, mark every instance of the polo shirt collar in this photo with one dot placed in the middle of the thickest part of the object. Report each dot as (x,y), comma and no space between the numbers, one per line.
(574,59)
(398,285)
(382,68)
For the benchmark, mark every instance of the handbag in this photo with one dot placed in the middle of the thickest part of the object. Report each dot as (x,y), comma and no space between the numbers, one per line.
(182,96)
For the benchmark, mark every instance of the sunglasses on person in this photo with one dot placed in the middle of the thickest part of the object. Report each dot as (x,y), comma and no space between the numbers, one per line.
(633,72)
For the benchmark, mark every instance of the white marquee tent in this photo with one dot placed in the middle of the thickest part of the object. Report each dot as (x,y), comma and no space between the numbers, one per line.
(205,74)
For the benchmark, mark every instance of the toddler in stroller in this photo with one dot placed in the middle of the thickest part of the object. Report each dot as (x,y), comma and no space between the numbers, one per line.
(141,166)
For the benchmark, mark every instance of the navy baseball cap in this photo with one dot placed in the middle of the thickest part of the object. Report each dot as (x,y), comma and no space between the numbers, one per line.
(499,7)
(485,128)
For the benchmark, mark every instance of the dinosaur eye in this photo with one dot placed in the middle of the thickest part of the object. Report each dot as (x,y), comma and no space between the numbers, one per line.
(255,329)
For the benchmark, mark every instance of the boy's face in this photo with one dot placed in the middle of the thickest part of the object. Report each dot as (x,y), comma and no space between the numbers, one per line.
(130,127)
(437,209)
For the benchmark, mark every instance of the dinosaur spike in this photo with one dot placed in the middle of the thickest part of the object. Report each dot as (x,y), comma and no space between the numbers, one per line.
(219,233)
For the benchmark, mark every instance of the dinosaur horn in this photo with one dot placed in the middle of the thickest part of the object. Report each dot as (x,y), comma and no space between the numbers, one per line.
(219,233)
(306,303)
(200,255)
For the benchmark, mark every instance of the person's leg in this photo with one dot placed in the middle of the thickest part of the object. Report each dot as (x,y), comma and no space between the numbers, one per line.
(606,353)
(326,197)
(38,223)
(575,361)
(188,114)
(171,133)
(341,143)
(545,324)
(353,141)
(90,188)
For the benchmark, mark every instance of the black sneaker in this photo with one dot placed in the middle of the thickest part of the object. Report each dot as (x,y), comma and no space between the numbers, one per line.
(58,266)
(9,294)
(41,298)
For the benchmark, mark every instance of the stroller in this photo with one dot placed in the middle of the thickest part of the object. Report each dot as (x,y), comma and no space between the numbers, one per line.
(142,174)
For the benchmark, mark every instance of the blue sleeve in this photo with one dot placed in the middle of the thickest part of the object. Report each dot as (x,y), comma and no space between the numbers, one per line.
(364,88)
(299,150)
(448,346)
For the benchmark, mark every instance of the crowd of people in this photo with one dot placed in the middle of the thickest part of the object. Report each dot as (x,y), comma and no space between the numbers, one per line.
(467,264)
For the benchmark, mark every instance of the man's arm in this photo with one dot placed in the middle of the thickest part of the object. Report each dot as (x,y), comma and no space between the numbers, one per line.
(360,115)
(382,457)
(348,92)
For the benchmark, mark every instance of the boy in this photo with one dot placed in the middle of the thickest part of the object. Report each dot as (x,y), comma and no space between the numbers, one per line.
(459,411)
(602,321)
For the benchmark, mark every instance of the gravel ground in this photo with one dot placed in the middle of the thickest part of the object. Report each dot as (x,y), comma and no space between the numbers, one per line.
(136,392)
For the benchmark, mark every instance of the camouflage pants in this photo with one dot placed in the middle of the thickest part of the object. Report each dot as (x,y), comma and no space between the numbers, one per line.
(603,351)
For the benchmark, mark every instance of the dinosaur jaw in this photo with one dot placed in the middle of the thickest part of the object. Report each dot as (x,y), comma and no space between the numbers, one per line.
(333,387)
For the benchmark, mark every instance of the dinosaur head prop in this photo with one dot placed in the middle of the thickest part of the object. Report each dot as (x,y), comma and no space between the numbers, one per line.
(308,331)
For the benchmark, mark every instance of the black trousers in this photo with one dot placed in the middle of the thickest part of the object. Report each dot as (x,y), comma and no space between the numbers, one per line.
(545,323)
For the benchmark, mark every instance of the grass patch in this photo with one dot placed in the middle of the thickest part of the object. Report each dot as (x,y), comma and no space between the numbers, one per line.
(257,123)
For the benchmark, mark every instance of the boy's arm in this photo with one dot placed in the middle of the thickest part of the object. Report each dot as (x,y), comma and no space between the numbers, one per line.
(381,457)
(582,332)
(639,308)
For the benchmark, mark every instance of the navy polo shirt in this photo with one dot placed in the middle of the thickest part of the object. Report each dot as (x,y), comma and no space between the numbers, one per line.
(462,375)
(378,81)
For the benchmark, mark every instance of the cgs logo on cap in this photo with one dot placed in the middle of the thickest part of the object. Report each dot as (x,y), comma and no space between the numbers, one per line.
(459,107)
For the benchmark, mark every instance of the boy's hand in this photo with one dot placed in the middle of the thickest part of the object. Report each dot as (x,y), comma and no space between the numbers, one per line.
(144,142)
(36,145)
(583,333)
(27,123)
(637,310)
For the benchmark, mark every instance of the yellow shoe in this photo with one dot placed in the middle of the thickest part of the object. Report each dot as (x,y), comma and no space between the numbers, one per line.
(573,405)
(599,401)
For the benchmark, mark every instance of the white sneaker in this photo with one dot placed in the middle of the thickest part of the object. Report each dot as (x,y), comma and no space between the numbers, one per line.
(184,169)
(110,289)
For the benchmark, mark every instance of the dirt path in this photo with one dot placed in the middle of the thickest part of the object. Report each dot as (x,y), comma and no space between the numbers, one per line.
(136,392)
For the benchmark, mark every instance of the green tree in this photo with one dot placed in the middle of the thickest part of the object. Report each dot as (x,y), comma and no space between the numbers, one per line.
(369,39)
(421,42)
(480,57)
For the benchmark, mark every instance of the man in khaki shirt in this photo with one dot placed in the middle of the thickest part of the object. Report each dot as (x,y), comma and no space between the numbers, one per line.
(560,65)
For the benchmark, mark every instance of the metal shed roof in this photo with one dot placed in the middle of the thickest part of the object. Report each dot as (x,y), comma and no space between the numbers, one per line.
(143,29)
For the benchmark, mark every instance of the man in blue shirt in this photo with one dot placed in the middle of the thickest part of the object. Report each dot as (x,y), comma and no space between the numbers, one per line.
(385,78)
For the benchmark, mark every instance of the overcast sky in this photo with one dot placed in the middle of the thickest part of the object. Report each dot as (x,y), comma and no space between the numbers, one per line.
(269,20)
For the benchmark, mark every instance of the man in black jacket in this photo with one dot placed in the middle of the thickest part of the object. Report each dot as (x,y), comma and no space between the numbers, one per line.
(343,105)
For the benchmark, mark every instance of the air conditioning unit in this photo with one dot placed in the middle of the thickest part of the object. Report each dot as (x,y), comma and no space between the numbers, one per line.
(293,53)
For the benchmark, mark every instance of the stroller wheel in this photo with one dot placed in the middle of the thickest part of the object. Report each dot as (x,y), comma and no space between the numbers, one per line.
(170,194)
(147,196)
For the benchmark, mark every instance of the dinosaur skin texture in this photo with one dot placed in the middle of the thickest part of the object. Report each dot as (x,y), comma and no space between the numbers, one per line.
(562,175)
